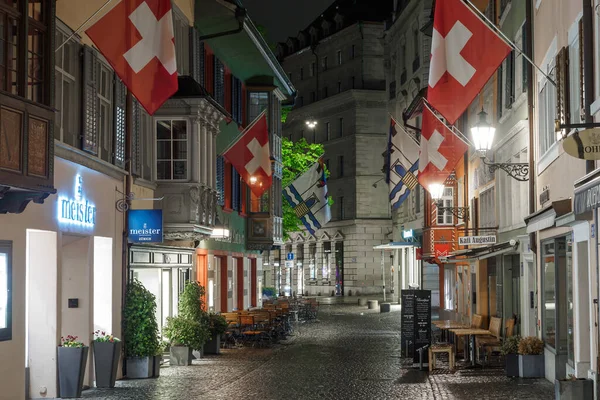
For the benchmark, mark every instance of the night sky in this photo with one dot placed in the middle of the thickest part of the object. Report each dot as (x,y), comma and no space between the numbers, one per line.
(283,18)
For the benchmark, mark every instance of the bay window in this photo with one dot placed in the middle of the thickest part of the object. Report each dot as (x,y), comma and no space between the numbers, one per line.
(171,150)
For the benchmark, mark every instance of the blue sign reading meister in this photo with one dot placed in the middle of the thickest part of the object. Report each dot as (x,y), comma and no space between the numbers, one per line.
(145,226)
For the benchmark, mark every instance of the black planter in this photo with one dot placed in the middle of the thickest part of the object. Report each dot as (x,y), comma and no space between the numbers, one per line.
(71,370)
(532,366)
(213,346)
(180,356)
(106,363)
(579,389)
(140,367)
(512,364)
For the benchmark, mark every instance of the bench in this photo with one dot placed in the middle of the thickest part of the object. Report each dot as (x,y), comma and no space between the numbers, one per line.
(441,348)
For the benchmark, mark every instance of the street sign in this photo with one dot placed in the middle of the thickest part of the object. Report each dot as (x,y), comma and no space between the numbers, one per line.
(289,264)
(469,240)
(584,144)
(290,256)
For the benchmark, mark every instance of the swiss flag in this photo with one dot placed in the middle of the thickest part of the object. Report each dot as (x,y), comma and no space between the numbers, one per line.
(251,157)
(136,38)
(465,53)
(440,150)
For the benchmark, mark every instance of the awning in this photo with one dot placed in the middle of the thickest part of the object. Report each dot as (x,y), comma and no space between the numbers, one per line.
(245,52)
(587,196)
(481,253)
(546,217)
(396,245)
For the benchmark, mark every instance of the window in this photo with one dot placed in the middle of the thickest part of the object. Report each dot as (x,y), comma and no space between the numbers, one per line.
(499,90)
(509,86)
(487,207)
(339,87)
(9,55)
(259,102)
(236,190)
(146,132)
(171,150)
(312,255)
(575,76)
(301,73)
(461,193)
(327,131)
(36,50)
(341,166)
(392,90)
(342,212)
(181,29)
(313,67)
(547,111)
(339,57)
(416,42)
(341,126)
(449,287)
(446,218)
(236,99)
(220,181)
(219,81)
(5,290)
(524,62)
(353,52)
(324,63)
(67,97)
(554,293)
(326,260)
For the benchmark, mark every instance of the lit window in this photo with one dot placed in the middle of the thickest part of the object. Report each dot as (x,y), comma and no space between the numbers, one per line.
(446,218)
(5,291)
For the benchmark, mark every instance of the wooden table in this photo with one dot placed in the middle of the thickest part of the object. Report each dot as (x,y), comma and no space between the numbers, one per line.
(471,332)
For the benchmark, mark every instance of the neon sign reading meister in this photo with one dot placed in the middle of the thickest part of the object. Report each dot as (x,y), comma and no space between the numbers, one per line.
(78,210)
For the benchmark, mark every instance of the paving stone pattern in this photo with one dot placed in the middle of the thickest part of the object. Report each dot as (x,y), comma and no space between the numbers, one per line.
(348,353)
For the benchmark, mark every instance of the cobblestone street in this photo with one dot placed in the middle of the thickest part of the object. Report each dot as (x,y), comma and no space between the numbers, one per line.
(349,353)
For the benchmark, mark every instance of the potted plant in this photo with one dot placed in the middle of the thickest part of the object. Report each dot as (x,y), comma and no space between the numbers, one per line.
(107,351)
(162,348)
(531,357)
(72,359)
(510,351)
(140,331)
(217,327)
(185,335)
(573,388)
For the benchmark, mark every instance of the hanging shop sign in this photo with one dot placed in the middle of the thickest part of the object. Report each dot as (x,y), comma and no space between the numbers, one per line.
(407,234)
(77,209)
(470,240)
(584,144)
(145,226)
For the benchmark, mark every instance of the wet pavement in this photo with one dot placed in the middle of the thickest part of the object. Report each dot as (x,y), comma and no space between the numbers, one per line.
(348,353)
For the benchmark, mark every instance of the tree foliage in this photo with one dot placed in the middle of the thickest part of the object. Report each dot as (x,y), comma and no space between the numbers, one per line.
(297,157)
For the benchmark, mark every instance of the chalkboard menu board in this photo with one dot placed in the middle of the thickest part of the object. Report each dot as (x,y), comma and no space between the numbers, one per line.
(415,326)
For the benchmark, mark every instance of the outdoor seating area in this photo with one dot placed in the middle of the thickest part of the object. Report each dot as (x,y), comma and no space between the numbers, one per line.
(478,343)
(261,327)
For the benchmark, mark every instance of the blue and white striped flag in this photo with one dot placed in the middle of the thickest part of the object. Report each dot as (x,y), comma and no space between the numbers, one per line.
(308,197)
(403,161)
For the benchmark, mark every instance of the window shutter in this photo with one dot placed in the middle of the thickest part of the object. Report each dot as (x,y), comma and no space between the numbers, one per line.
(90,101)
(119,149)
(235,190)
(581,82)
(234,98)
(510,84)
(500,91)
(136,151)
(221,180)
(562,86)
(197,56)
(219,90)
(525,42)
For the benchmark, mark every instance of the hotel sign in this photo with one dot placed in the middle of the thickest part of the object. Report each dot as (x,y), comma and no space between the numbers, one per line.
(587,200)
(471,240)
(77,210)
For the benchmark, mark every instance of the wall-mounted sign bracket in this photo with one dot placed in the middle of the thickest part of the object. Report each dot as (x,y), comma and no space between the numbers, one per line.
(122,204)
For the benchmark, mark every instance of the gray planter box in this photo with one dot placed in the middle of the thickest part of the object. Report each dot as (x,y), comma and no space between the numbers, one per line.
(180,356)
(512,364)
(140,367)
(71,370)
(213,346)
(106,363)
(531,366)
(156,366)
(580,389)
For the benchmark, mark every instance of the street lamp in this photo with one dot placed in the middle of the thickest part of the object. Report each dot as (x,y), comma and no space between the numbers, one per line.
(312,124)
(437,191)
(483,136)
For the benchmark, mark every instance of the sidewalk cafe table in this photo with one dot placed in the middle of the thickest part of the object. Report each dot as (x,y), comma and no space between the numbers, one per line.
(447,325)
(471,333)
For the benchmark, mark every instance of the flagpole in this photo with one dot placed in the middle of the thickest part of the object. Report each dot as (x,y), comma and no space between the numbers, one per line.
(237,138)
(453,128)
(82,25)
(508,41)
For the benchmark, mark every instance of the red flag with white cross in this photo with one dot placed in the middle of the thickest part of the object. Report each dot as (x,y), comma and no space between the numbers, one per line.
(441,149)
(251,157)
(465,53)
(136,38)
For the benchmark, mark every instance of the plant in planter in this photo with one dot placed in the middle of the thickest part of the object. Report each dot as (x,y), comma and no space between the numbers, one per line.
(157,359)
(573,388)
(217,327)
(185,335)
(510,350)
(140,331)
(531,357)
(72,359)
(107,351)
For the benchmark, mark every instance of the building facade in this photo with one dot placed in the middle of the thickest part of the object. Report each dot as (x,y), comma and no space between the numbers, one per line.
(337,66)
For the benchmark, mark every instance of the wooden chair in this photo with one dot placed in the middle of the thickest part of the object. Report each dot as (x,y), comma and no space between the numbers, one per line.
(441,348)
(491,344)
(477,321)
